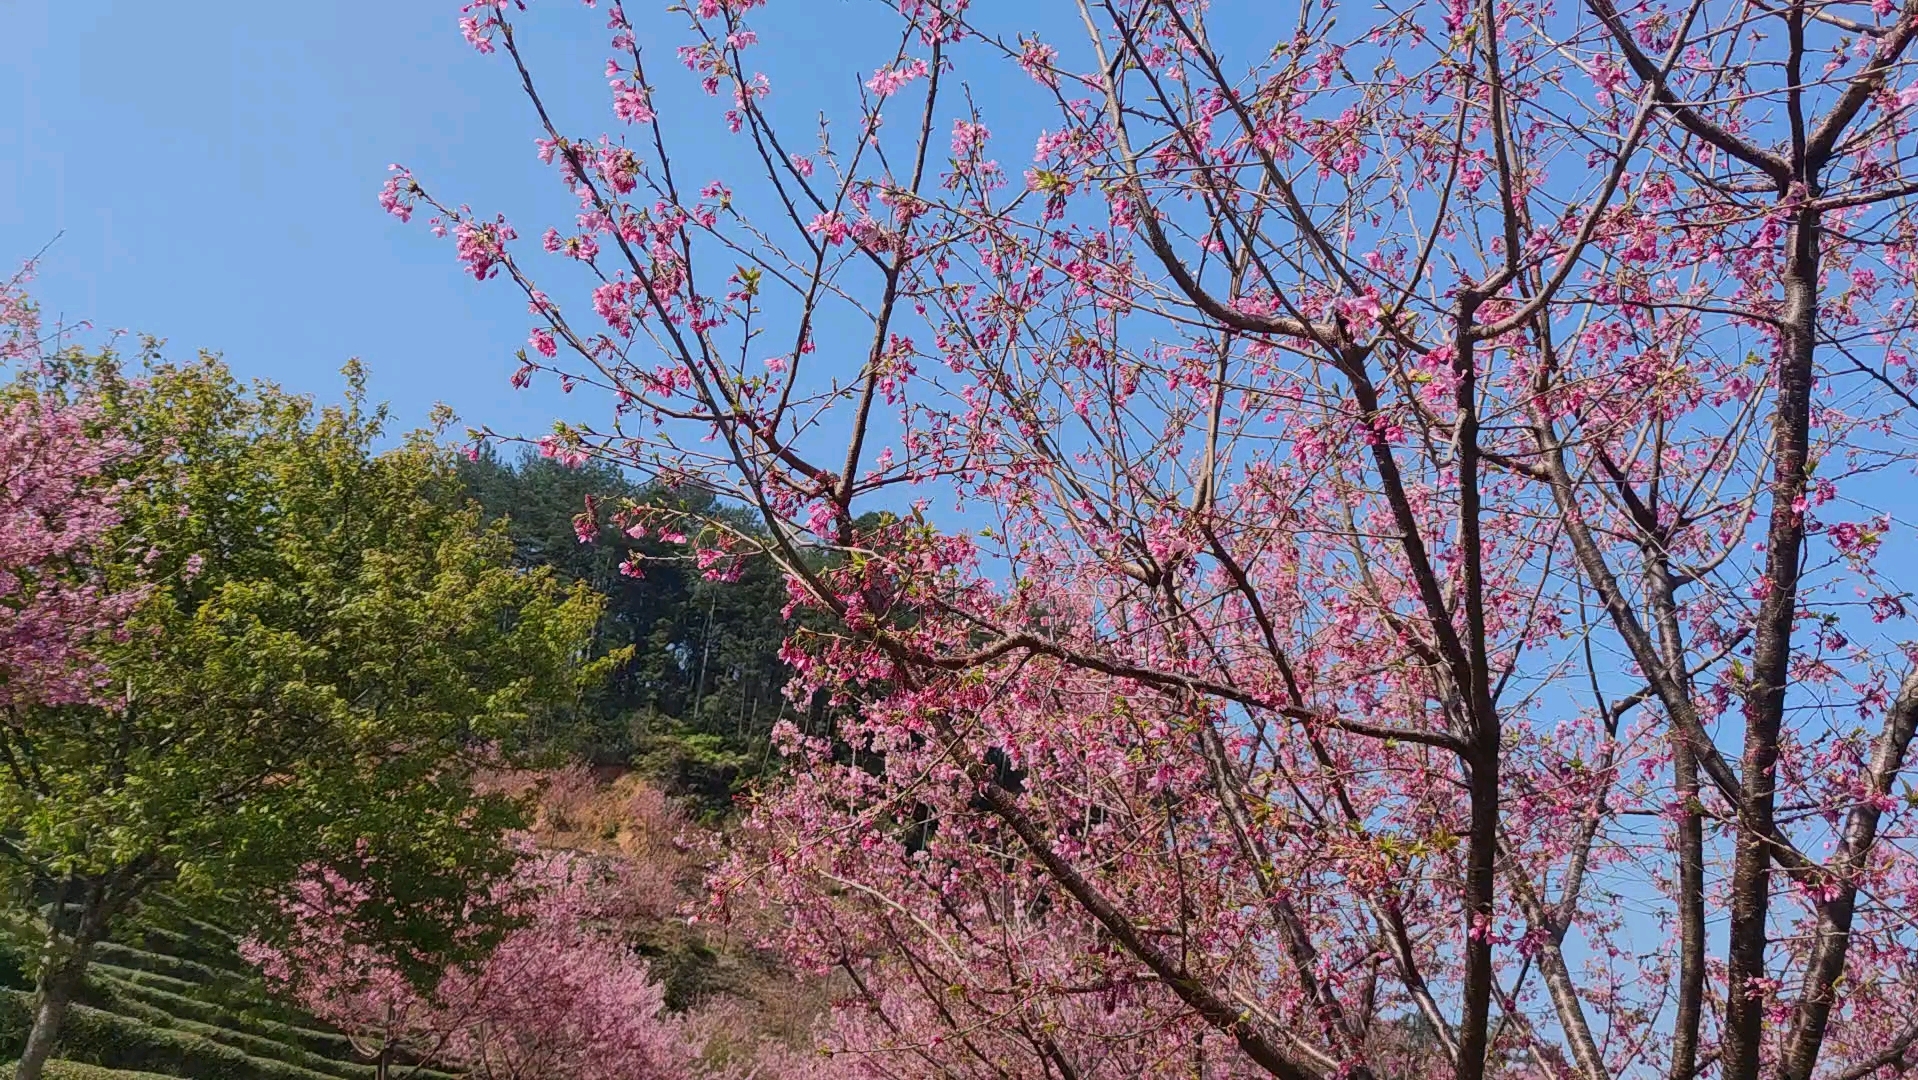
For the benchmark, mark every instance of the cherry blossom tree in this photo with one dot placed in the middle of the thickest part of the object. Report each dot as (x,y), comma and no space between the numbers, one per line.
(58,503)
(1398,515)
(560,996)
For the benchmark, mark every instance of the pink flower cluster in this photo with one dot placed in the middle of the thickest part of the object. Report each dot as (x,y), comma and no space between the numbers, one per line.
(560,997)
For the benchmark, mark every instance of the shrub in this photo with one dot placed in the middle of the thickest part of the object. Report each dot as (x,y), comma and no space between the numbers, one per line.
(74,1070)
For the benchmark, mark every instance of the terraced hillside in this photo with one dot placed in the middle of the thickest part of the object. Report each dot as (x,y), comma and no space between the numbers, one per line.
(170,997)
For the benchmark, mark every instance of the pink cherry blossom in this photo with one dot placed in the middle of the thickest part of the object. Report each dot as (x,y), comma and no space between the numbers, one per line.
(1386,555)
(888,81)
(558,997)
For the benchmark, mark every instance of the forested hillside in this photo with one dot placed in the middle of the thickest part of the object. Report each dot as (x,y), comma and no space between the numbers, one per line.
(695,703)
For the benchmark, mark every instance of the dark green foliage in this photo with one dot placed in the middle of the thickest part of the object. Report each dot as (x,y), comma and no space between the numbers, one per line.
(695,705)
(16,967)
(688,968)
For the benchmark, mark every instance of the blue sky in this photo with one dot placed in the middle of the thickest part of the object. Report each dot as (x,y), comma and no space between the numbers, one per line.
(211,168)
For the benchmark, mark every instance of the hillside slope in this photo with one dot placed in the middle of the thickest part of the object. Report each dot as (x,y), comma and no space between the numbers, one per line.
(170,996)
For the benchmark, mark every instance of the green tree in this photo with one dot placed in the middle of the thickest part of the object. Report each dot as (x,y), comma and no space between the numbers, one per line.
(332,642)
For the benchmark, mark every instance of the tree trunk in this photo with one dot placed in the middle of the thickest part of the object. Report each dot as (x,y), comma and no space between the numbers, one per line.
(53,993)
(63,966)
(1750,899)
